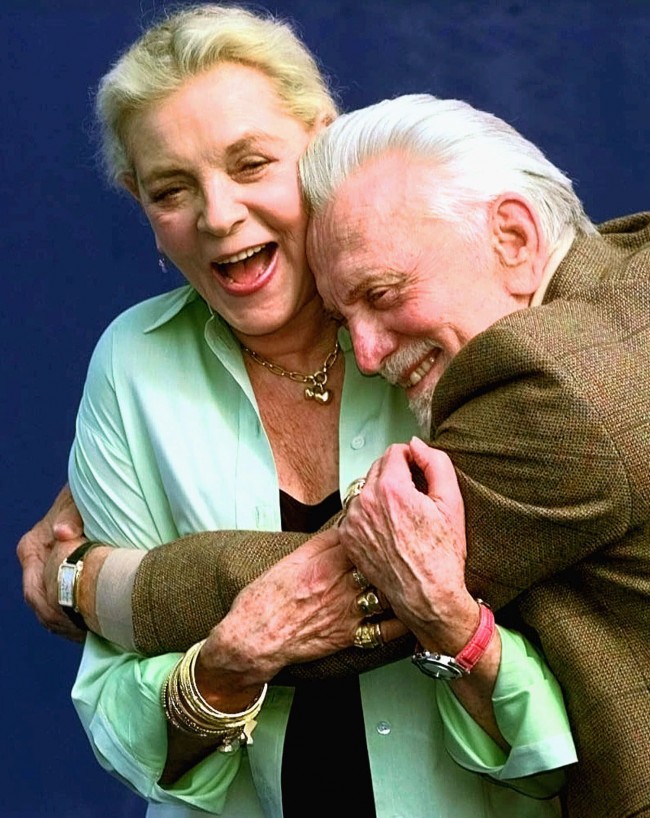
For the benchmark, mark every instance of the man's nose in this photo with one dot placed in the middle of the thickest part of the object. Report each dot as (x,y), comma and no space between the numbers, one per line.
(371,347)
(222,208)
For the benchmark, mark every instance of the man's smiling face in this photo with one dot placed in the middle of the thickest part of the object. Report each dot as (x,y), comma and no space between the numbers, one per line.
(412,288)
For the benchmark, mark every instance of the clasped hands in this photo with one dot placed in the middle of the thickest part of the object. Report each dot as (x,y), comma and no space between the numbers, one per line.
(409,544)
(394,563)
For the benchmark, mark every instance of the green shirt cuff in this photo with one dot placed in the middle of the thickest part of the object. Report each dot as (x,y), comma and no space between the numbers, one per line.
(530,713)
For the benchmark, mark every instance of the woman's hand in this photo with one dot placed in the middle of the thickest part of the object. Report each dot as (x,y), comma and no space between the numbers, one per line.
(302,608)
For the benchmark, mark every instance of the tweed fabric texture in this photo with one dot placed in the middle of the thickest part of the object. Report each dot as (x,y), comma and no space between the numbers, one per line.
(546,417)
(204,572)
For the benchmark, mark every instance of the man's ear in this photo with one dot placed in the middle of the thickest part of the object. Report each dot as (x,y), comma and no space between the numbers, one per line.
(130,184)
(518,243)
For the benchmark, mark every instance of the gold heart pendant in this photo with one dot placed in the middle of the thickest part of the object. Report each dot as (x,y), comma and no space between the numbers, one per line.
(321,397)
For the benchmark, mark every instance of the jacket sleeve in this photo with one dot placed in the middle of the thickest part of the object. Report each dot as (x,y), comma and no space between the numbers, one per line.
(183,588)
(549,463)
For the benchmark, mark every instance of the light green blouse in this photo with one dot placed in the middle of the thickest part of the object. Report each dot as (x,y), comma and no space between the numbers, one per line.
(169,441)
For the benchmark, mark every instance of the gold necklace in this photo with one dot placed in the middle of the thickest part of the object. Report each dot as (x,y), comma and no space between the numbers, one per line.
(315,383)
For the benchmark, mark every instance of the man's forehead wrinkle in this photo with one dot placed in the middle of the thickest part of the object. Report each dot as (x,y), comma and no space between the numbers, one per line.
(353,239)
(343,226)
(329,230)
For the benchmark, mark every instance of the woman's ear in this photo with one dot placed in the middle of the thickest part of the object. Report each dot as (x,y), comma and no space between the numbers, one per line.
(323,119)
(518,243)
(130,184)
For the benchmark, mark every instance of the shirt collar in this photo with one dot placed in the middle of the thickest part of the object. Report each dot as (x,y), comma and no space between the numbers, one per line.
(552,263)
(177,300)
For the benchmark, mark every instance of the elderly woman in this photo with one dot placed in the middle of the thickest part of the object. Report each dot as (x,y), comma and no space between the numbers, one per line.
(235,403)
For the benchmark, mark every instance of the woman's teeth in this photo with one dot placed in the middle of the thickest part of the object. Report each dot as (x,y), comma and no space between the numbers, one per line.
(243,255)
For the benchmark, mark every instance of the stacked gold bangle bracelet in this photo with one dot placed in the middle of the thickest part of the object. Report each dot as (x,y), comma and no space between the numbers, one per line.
(187,710)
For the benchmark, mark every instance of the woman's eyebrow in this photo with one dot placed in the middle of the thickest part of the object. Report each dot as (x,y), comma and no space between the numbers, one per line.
(249,141)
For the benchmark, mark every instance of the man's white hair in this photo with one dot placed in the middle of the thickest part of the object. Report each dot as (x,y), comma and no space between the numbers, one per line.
(479,155)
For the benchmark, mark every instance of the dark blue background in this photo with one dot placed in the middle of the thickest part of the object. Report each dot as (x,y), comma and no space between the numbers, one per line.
(572,75)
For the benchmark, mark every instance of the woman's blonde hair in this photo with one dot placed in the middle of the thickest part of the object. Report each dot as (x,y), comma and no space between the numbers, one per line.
(191,41)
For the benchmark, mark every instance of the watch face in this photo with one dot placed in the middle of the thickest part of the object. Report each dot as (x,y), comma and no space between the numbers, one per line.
(437,666)
(66,584)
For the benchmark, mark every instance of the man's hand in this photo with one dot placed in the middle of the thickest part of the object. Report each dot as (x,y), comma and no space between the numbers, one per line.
(411,544)
(40,552)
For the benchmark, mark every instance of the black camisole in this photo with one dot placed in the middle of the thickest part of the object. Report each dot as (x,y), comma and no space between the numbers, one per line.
(325,757)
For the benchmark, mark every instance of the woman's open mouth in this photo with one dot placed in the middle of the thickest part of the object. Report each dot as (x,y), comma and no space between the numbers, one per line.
(247,271)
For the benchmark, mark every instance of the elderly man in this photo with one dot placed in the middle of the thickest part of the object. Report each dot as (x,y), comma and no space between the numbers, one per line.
(466,271)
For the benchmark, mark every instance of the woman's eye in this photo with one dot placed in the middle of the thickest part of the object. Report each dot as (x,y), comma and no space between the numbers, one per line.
(166,195)
(252,166)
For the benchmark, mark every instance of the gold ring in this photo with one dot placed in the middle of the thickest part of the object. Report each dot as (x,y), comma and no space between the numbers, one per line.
(368,636)
(361,582)
(368,603)
(353,489)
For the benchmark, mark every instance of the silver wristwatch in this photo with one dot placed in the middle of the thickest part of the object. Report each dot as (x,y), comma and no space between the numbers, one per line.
(437,665)
(67,580)
(449,668)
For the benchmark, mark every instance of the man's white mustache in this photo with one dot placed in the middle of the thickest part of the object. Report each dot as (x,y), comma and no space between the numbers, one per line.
(398,366)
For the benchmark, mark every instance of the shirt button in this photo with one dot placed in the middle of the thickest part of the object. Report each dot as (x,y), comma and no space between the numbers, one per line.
(383,728)
(358,442)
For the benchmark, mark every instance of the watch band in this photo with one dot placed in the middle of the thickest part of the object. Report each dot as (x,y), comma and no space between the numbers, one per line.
(449,668)
(477,645)
(68,579)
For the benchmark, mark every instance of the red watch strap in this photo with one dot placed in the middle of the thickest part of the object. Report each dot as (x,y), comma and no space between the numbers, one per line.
(477,645)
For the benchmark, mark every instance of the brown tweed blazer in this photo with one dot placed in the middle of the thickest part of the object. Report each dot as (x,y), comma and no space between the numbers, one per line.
(546,416)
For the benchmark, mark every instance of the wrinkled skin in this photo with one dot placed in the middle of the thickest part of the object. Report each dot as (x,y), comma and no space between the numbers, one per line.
(40,551)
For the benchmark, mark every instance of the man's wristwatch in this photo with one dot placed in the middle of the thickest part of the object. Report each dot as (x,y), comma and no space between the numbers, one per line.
(449,668)
(68,579)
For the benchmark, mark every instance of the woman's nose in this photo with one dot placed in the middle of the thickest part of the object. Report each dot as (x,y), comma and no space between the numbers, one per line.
(222,209)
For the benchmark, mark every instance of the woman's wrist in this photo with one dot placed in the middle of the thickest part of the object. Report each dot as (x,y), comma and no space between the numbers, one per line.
(232,665)
(87,586)
(225,679)
(189,711)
